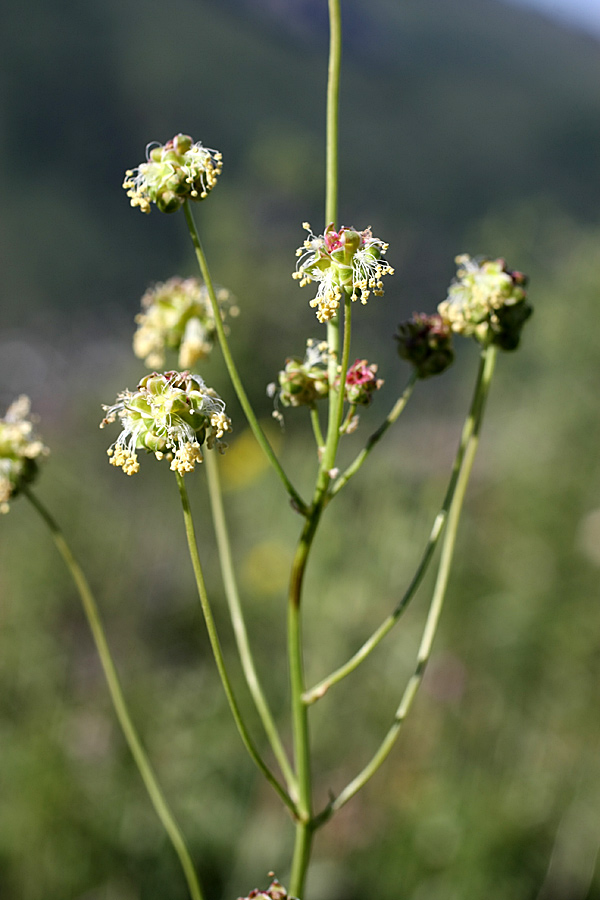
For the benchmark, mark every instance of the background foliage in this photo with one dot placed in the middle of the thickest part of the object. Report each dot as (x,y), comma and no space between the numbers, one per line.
(470,126)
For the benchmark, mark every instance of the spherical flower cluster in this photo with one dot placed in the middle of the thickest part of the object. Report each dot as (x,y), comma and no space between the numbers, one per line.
(275,891)
(303,381)
(426,342)
(362,382)
(20,451)
(170,415)
(341,262)
(177,315)
(173,172)
(487,301)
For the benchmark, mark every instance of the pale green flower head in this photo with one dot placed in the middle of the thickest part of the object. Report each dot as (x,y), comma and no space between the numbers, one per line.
(177,315)
(173,173)
(341,262)
(20,450)
(303,381)
(171,415)
(479,301)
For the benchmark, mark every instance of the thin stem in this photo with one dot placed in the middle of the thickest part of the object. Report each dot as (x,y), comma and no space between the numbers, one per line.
(299,710)
(436,531)
(316,427)
(336,401)
(216,648)
(439,592)
(116,694)
(304,829)
(238,623)
(374,438)
(333,103)
(259,434)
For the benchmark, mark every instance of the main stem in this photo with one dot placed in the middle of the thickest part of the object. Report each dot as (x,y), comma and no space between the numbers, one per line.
(305,826)
(116,694)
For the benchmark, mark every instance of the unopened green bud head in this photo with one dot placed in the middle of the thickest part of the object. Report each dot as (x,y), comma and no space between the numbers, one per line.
(426,343)
(302,382)
(20,451)
(170,414)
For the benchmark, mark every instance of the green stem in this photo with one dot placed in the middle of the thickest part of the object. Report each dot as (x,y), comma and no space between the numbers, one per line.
(333,103)
(304,827)
(231,367)
(436,531)
(439,592)
(238,623)
(374,438)
(316,427)
(336,401)
(216,648)
(116,694)
(299,710)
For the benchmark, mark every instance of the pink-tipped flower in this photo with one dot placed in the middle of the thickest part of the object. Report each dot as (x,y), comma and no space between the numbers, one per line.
(362,382)
(341,262)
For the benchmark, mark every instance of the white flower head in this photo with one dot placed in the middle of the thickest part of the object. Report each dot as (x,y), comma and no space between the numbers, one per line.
(170,414)
(345,261)
(20,450)
(177,315)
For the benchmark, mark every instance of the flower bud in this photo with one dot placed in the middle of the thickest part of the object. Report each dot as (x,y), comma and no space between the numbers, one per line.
(304,381)
(345,261)
(361,383)
(20,451)
(487,301)
(173,172)
(275,891)
(177,315)
(172,414)
(426,342)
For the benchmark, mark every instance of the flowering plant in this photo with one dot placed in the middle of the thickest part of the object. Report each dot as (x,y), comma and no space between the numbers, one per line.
(176,416)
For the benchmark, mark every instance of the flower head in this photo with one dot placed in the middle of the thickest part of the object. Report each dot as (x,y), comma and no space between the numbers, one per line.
(177,315)
(275,891)
(426,342)
(303,381)
(488,301)
(170,414)
(20,451)
(341,262)
(362,382)
(173,172)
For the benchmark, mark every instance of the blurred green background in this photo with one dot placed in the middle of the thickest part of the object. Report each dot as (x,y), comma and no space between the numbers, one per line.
(470,126)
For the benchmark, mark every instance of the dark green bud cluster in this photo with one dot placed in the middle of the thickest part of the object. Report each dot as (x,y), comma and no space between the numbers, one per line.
(275,891)
(426,342)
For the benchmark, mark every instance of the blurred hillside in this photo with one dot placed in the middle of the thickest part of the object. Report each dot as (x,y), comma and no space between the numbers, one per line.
(467,126)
